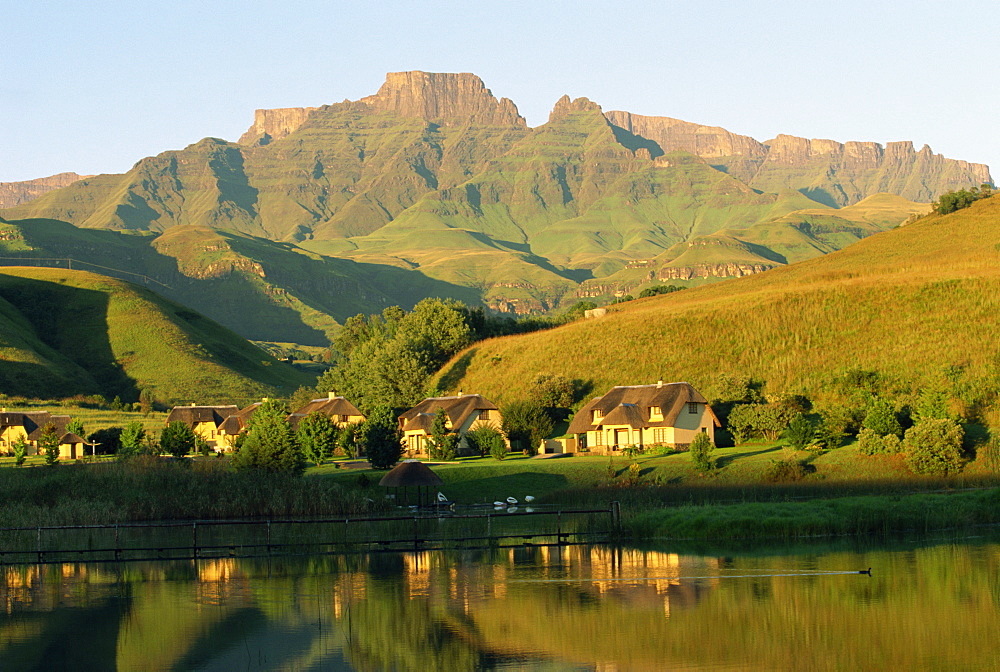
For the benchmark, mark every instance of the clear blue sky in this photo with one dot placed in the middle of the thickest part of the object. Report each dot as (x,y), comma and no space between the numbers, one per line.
(94,87)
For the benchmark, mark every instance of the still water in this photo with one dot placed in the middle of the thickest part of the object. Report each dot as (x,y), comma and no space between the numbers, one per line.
(926,606)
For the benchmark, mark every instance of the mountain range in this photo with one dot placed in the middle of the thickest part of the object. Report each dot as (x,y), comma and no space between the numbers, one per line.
(433,186)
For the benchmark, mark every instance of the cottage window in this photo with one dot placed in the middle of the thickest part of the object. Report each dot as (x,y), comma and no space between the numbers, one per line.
(485,415)
(655,413)
(659,435)
(692,407)
(598,414)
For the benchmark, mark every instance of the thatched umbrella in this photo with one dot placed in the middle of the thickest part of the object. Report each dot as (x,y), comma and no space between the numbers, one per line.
(411,474)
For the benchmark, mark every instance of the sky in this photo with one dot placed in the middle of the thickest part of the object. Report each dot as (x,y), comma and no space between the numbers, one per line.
(95,87)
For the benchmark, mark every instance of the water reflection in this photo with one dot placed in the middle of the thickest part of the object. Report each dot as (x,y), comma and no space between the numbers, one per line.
(536,607)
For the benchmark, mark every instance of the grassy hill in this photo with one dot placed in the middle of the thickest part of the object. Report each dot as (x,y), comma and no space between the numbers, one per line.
(64,333)
(906,303)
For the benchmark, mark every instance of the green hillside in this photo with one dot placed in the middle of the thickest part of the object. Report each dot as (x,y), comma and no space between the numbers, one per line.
(261,289)
(64,333)
(906,303)
(435,176)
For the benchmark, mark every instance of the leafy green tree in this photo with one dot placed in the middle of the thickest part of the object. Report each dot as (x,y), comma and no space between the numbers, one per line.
(552,391)
(443,444)
(270,444)
(108,440)
(381,439)
(20,450)
(177,439)
(934,446)
(202,446)
(317,436)
(48,444)
(870,442)
(800,433)
(767,421)
(881,418)
(146,401)
(133,439)
(349,441)
(932,403)
(526,424)
(828,434)
(75,426)
(656,290)
(701,450)
(486,440)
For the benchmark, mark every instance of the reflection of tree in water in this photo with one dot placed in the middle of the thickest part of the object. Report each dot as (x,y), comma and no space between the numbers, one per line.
(390,631)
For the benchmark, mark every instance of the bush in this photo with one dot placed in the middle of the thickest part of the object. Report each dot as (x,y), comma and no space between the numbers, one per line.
(270,444)
(869,442)
(934,446)
(701,452)
(526,423)
(783,471)
(317,437)
(768,421)
(131,439)
(485,439)
(443,445)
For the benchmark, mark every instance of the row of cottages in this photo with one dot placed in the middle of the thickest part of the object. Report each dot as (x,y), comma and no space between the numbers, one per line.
(220,425)
(29,426)
(669,414)
(463,413)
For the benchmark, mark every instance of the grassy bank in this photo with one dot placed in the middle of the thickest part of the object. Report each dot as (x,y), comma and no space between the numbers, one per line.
(876,516)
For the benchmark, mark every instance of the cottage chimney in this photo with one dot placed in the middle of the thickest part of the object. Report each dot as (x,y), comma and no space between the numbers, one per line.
(193,404)
(461,393)
(331,395)
(659,384)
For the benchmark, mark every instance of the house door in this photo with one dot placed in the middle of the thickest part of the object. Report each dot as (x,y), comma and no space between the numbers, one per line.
(621,438)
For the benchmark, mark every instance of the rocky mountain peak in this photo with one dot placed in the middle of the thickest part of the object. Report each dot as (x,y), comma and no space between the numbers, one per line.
(444,97)
(565,106)
(15,193)
(274,124)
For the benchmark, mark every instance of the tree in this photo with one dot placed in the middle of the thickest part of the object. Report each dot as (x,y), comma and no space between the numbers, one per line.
(177,439)
(133,439)
(317,436)
(75,426)
(349,440)
(526,424)
(270,444)
(881,418)
(443,444)
(701,449)
(486,440)
(800,432)
(20,450)
(934,446)
(108,440)
(146,401)
(48,444)
(655,290)
(380,438)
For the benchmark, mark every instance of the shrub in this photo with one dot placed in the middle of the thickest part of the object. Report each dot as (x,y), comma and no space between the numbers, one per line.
(48,444)
(891,445)
(701,452)
(758,420)
(869,442)
(526,423)
(934,446)
(108,440)
(827,435)
(20,450)
(443,445)
(783,471)
(132,439)
(485,439)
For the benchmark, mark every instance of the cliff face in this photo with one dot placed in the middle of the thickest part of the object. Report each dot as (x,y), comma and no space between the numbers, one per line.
(673,134)
(275,124)
(15,193)
(831,172)
(451,98)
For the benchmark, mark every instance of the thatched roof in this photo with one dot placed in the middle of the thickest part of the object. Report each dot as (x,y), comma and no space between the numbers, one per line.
(630,404)
(330,407)
(407,474)
(192,415)
(239,420)
(458,408)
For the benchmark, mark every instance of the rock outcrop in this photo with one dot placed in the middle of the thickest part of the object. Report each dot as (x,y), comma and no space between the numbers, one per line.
(450,98)
(269,125)
(15,193)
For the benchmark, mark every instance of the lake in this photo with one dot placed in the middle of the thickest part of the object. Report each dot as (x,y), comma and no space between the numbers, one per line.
(927,605)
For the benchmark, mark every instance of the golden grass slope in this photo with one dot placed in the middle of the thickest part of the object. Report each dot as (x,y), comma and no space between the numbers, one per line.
(905,302)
